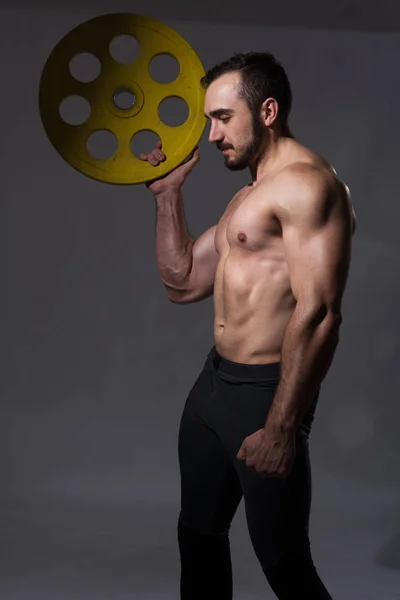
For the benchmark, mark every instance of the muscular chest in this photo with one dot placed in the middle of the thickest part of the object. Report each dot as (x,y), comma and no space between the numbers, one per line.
(249,224)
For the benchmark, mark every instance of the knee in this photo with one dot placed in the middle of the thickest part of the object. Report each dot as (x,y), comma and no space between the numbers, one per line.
(206,570)
(294,573)
(201,527)
(290,563)
(283,556)
(194,539)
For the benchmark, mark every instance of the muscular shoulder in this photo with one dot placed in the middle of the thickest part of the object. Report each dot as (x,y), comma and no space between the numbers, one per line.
(310,190)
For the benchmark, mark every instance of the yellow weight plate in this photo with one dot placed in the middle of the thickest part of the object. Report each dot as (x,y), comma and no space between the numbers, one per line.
(94,37)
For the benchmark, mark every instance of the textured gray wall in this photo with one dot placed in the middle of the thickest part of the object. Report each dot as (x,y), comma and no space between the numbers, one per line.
(97,364)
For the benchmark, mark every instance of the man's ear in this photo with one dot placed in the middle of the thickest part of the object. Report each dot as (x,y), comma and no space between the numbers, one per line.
(269,111)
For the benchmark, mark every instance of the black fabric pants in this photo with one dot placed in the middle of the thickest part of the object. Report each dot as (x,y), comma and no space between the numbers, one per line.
(228,402)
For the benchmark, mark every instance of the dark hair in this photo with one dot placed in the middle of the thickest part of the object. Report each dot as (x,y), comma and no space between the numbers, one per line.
(262,77)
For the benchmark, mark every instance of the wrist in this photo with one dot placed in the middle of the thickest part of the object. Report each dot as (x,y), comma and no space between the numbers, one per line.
(280,425)
(167,194)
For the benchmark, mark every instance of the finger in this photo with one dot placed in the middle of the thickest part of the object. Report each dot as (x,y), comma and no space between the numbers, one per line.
(190,163)
(153,157)
(193,158)
(160,155)
(241,455)
(153,160)
(195,155)
(283,473)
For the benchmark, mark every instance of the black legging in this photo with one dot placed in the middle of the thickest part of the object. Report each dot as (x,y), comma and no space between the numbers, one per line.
(228,402)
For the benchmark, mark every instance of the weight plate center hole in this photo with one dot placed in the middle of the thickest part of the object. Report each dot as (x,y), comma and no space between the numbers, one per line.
(124,99)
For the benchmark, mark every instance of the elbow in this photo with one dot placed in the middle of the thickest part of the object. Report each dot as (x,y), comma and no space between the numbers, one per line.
(323,325)
(174,297)
(333,322)
(176,300)
(330,330)
(178,296)
(331,317)
(324,316)
(189,297)
(334,316)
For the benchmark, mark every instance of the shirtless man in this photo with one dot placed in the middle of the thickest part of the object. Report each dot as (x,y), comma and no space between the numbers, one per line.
(277,263)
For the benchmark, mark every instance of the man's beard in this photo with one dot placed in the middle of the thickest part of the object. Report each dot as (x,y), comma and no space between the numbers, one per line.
(251,151)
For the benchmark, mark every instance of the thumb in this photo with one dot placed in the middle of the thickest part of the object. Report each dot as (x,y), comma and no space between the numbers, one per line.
(192,160)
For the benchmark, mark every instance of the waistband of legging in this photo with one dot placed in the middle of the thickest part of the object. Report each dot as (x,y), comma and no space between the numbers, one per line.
(243,372)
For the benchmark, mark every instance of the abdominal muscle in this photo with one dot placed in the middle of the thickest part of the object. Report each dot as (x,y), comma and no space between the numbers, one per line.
(253,304)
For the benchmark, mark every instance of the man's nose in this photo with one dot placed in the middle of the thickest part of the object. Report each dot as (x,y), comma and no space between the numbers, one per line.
(215,134)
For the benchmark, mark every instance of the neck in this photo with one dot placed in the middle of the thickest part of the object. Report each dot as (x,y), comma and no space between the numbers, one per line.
(269,158)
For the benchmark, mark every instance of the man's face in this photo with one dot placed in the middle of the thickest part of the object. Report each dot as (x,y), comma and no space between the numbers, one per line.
(234,129)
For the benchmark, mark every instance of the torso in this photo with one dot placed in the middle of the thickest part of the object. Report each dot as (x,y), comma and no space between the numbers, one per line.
(253,301)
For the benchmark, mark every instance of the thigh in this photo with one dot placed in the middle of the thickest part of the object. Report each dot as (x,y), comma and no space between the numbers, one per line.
(277,510)
(210,486)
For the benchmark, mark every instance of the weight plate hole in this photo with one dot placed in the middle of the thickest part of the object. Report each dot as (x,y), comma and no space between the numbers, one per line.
(144,142)
(124,99)
(173,111)
(85,67)
(164,68)
(124,49)
(102,144)
(75,110)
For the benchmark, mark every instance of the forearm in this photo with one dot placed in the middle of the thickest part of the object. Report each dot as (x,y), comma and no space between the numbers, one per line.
(173,243)
(308,349)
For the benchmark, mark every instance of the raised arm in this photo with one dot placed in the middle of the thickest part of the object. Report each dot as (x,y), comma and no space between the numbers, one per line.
(200,282)
(187,266)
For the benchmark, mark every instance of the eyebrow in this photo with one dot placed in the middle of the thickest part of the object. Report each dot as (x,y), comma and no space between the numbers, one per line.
(219,112)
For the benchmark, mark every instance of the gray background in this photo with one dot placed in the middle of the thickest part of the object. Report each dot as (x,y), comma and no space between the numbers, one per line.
(97,364)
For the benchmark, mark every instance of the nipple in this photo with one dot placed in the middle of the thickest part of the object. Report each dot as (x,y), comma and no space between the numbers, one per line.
(242,237)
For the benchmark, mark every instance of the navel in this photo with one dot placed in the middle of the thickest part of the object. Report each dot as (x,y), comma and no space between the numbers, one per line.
(242,237)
